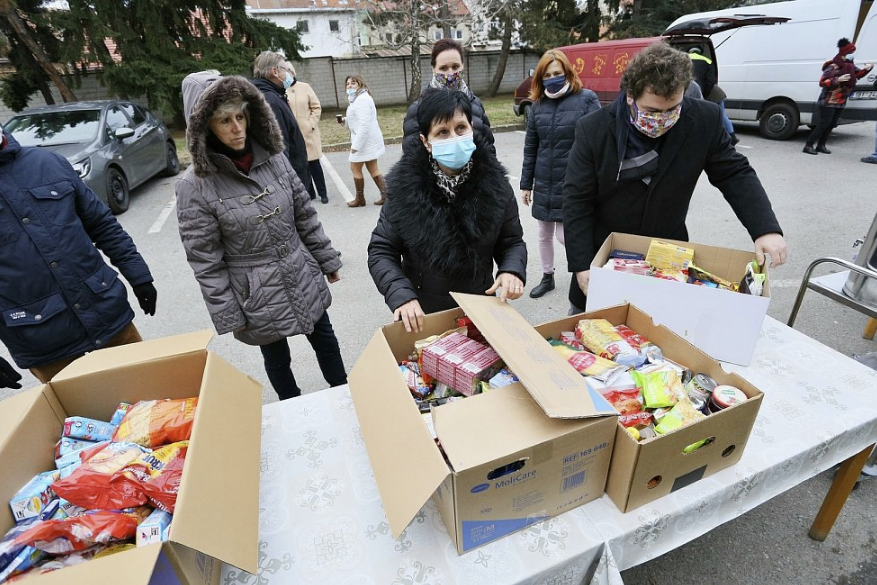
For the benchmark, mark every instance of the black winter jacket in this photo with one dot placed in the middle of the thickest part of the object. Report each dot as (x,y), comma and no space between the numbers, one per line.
(424,247)
(596,204)
(295,148)
(551,130)
(480,124)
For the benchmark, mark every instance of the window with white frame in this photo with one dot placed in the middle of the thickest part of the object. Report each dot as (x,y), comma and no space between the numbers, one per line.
(457,34)
(333,26)
(302,26)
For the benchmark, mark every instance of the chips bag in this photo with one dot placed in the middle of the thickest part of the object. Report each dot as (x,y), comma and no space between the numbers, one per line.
(153,423)
(81,532)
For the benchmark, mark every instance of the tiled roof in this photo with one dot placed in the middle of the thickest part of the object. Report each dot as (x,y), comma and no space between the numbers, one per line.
(456,7)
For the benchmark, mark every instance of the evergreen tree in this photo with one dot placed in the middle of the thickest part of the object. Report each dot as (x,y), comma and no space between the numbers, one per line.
(154,44)
(649,18)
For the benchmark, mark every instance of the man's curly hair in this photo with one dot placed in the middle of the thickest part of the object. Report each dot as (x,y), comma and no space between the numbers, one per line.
(659,68)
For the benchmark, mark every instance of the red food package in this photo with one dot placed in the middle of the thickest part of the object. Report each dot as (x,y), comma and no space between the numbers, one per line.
(98,483)
(625,401)
(116,480)
(80,532)
(153,423)
(634,419)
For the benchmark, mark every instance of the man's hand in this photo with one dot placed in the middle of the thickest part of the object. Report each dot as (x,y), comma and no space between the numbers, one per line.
(9,377)
(411,315)
(775,246)
(146,296)
(526,197)
(334,277)
(583,278)
(512,286)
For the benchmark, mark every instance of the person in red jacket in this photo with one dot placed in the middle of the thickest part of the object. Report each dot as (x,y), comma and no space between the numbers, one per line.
(838,80)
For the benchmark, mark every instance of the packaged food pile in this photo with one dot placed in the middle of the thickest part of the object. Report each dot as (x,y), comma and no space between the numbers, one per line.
(654,395)
(114,487)
(451,366)
(671,262)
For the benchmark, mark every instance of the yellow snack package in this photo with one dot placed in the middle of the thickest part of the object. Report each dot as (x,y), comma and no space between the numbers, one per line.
(667,256)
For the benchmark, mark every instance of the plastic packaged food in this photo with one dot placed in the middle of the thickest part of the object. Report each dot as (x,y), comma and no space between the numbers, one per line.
(651,352)
(661,389)
(119,414)
(601,338)
(625,401)
(668,256)
(153,423)
(586,363)
(753,281)
(702,275)
(88,429)
(99,482)
(682,414)
(81,532)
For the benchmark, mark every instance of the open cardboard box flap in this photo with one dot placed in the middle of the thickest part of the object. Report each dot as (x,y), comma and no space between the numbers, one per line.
(144,351)
(134,567)
(407,465)
(14,409)
(558,389)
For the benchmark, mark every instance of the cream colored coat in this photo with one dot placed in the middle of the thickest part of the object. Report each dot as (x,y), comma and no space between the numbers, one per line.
(307,109)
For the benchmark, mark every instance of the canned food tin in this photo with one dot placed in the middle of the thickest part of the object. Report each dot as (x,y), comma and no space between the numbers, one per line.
(700,387)
(724,396)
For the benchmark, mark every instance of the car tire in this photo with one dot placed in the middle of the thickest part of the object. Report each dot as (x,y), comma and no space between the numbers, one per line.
(117,191)
(525,114)
(173,162)
(779,121)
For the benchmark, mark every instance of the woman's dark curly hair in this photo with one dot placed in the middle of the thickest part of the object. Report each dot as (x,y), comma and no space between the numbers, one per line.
(659,68)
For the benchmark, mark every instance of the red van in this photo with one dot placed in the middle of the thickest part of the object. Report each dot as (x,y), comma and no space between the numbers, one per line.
(601,64)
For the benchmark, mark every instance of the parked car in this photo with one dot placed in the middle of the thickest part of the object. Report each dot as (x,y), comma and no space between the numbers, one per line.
(600,65)
(113,145)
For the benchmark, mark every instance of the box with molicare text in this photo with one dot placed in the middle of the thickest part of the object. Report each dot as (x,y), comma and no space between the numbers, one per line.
(217,509)
(512,456)
(723,323)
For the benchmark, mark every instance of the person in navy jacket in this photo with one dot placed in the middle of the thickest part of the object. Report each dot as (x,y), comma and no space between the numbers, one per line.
(59,299)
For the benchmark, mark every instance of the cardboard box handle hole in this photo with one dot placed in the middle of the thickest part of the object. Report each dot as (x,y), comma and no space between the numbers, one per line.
(727,452)
(507,469)
(698,445)
(654,482)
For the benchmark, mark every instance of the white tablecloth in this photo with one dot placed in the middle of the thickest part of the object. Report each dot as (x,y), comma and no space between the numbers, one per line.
(321,519)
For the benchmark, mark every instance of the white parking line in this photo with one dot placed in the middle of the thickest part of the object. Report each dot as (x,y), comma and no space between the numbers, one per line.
(162,217)
(336,178)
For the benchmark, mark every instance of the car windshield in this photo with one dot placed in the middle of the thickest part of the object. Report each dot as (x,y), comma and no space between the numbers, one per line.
(52,128)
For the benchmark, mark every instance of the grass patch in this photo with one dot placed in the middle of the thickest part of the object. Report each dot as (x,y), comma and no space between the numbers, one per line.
(498,109)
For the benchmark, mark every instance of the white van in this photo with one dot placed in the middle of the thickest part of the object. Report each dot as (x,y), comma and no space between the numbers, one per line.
(771,73)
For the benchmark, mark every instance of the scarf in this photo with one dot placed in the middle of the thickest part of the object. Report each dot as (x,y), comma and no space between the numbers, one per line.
(242,159)
(448,184)
(461,85)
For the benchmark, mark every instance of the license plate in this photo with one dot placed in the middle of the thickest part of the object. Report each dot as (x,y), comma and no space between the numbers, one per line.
(864,95)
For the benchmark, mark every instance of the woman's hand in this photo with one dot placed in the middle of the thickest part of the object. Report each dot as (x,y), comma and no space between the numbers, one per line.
(526,196)
(583,279)
(512,286)
(411,315)
(333,277)
(843,78)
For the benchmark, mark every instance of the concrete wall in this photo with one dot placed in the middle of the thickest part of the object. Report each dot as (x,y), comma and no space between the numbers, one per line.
(388,78)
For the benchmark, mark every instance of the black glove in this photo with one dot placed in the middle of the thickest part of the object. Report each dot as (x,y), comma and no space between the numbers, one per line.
(9,377)
(146,295)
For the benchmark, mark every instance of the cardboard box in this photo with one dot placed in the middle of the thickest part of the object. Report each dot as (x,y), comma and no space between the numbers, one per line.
(722,323)
(641,472)
(217,508)
(515,455)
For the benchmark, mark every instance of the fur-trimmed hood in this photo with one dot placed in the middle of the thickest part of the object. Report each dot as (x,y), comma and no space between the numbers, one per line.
(262,127)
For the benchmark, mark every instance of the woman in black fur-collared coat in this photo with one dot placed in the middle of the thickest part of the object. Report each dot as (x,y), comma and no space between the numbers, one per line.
(450,215)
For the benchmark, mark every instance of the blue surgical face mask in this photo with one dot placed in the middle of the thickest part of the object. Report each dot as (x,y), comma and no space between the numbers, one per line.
(288,81)
(849,57)
(554,84)
(453,153)
(351,94)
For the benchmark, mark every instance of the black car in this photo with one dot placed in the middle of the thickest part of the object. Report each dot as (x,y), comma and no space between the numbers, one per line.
(113,145)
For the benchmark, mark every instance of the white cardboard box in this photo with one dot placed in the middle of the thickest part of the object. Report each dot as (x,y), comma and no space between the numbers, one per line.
(722,323)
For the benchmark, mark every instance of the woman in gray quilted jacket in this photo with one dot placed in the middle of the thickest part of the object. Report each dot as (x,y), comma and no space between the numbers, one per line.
(251,235)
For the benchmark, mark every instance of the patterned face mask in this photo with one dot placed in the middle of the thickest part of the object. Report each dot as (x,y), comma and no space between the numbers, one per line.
(654,124)
(449,80)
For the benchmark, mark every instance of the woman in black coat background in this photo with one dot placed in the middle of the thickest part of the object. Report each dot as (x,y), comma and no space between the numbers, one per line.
(558,103)
(450,215)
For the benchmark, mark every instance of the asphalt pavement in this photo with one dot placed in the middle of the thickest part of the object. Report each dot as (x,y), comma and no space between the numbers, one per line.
(823,202)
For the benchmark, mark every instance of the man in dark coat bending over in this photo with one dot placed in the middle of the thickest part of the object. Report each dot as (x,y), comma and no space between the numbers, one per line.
(635,163)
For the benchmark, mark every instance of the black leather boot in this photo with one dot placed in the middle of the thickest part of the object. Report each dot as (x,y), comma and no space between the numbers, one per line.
(809,149)
(821,148)
(543,287)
